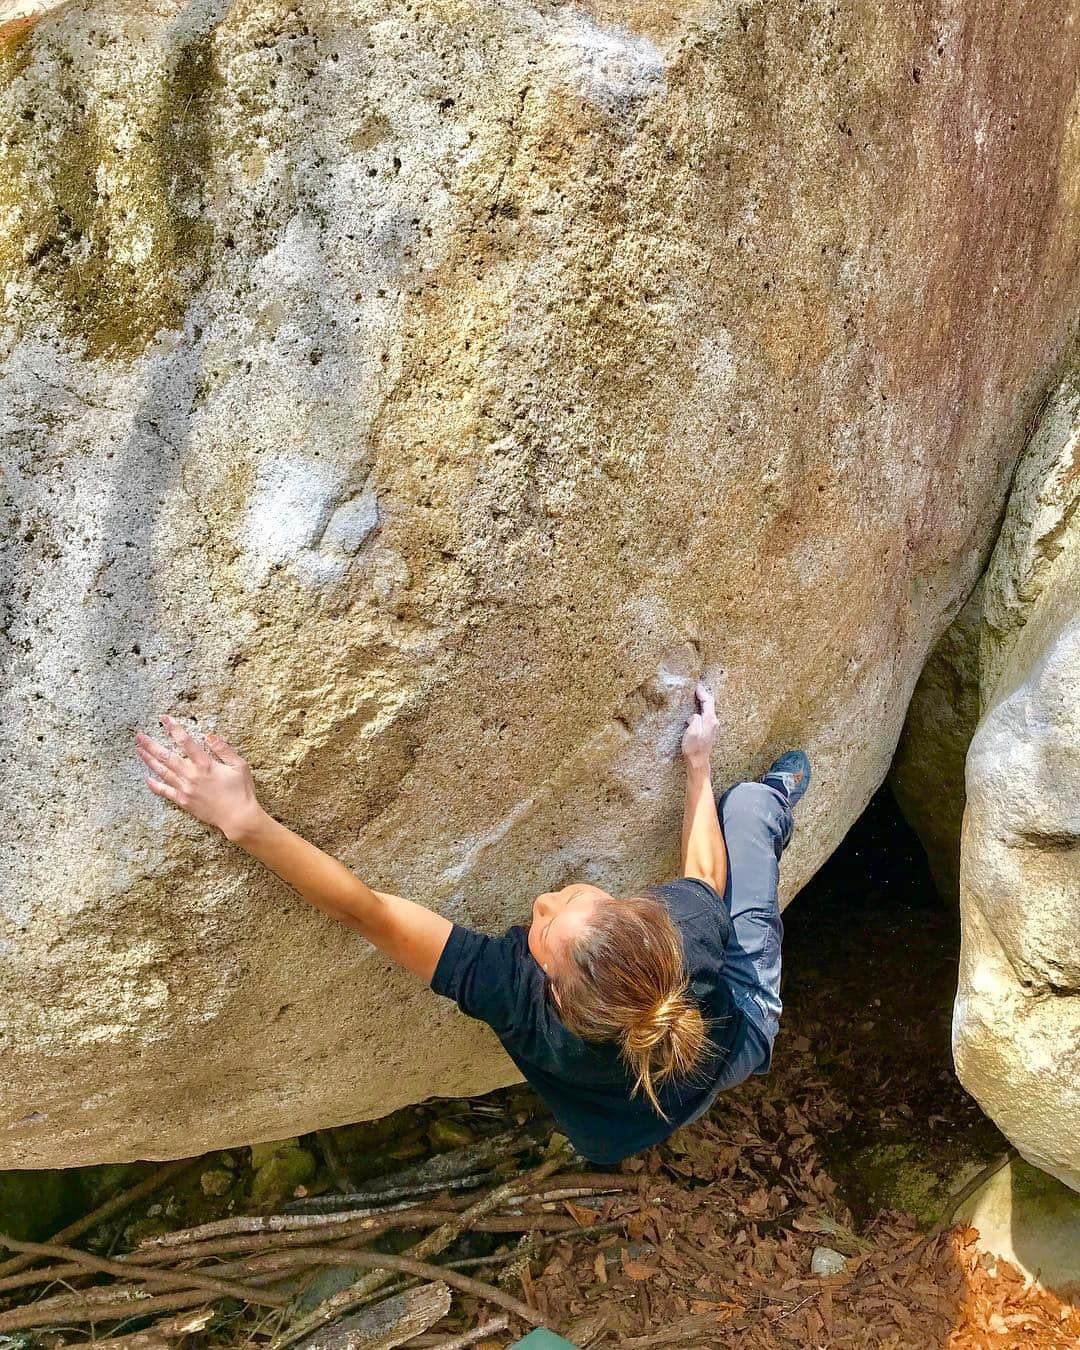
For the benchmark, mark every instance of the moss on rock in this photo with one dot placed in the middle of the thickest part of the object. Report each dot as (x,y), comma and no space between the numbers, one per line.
(279,1169)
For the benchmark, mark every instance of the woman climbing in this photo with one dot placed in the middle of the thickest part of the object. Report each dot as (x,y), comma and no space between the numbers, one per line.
(626,1015)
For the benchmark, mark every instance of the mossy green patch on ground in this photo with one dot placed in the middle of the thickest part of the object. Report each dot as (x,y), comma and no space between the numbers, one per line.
(895,1177)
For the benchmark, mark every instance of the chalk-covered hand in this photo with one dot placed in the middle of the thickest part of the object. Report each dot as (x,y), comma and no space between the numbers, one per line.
(215,788)
(697,741)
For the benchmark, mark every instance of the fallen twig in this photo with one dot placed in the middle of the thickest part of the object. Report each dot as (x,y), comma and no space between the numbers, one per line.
(686,1329)
(346,1222)
(454,1169)
(387,1324)
(85,1307)
(168,1329)
(263,1223)
(366,1227)
(500,1258)
(555,1224)
(171,1279)
(334,1203)
(383,1261)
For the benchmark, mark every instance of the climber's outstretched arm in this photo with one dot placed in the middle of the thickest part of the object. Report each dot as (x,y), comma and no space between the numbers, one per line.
(219,791)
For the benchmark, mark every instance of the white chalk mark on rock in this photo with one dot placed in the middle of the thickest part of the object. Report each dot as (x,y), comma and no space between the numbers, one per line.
(610,66)
(351,523)
(289,508)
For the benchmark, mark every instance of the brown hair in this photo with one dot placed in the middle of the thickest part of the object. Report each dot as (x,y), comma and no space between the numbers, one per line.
(625,981)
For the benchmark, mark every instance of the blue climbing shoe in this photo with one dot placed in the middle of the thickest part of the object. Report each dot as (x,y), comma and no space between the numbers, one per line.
(790,773)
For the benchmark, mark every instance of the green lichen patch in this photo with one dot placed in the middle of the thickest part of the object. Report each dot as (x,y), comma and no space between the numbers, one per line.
(103,194)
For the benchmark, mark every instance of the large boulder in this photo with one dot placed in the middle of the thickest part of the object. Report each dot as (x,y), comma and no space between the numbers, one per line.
(427,396)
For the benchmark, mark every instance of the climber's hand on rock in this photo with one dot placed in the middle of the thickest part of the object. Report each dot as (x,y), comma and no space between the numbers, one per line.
(215,788)
(700,733)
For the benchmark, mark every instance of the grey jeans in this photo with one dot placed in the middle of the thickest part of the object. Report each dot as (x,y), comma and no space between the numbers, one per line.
(757,824)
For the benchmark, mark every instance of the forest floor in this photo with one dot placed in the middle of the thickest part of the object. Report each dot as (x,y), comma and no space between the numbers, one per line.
(857,1141)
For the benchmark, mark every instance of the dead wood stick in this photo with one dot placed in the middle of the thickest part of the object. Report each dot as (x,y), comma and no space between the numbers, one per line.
(364,1200)
(481,1333)
(163,1331)
(154,1249)
(365,1229)
(259,1236)
(704,1259)
(471,1163)
(50,1312)
(685,1330)
(969,1187)
(116,1205)
(42,1275)
(171,1279)
(264,1223)
(264,1269)
(500,1258)
(524,1223)
(339,1234)
(436,1241)
(554,1224)
(594,1181)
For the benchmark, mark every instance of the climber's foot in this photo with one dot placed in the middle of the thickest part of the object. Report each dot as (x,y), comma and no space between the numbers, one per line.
(790,773)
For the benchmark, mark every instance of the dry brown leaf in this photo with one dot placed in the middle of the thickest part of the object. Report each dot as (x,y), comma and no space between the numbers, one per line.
(638,1270)
(581,1216)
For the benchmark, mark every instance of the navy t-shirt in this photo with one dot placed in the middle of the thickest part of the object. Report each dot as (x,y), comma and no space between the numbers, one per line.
(587,1085)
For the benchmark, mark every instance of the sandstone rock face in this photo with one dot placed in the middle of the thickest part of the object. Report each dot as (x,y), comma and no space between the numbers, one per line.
(427,396)
(1016,1026)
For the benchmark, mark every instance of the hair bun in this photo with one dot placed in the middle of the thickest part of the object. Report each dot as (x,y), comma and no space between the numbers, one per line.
(657,1023)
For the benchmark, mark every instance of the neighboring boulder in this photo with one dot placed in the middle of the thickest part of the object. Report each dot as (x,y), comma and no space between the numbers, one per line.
(1016,1028)
(1010,665)
(429,395)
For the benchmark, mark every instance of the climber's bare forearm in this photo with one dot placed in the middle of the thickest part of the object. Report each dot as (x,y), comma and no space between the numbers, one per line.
(703,852)
(410,934)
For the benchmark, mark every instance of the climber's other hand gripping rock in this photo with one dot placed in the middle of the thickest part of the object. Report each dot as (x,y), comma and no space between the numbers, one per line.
(700,733)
